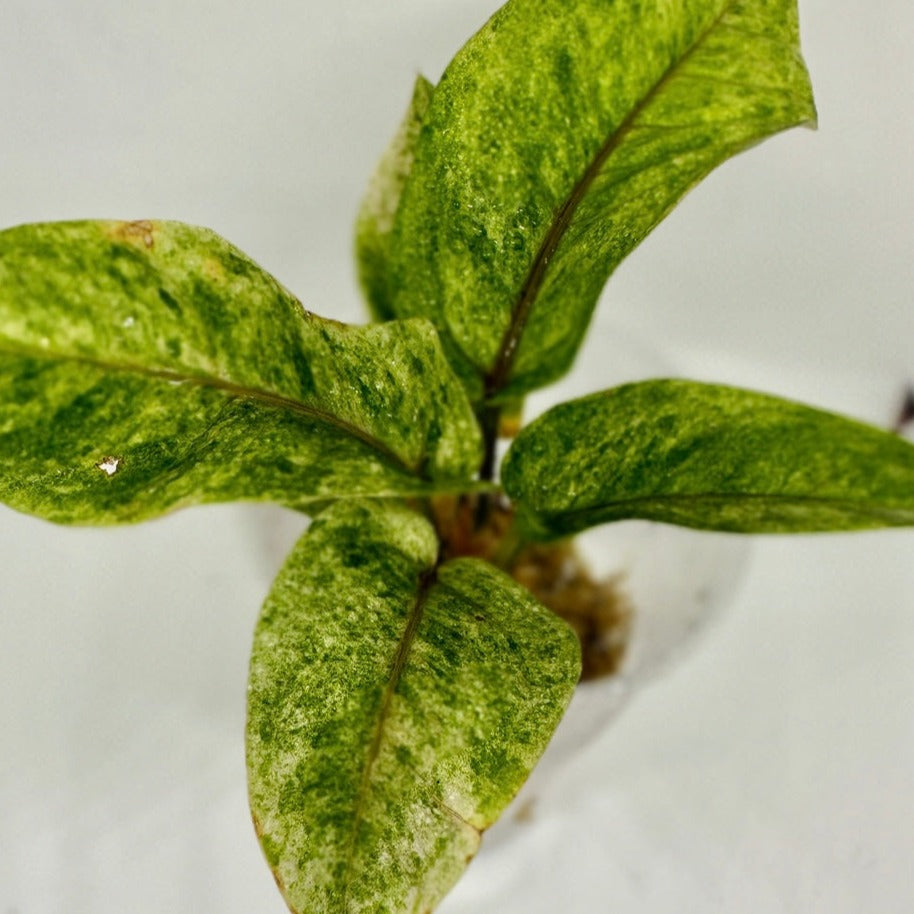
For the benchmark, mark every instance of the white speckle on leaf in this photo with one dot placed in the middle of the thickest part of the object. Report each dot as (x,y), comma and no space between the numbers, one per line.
(109,465)
(128,321)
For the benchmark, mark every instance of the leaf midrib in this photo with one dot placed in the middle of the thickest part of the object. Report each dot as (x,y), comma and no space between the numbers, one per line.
(230,388)
(499,374)
(695,497)
(404,645)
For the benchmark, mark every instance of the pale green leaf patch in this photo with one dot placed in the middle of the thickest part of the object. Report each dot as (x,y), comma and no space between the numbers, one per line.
(556,140)
(375,221)
(707,456)
(395,707)
(149,365)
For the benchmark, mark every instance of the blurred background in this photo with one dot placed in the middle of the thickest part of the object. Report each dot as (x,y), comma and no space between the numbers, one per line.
(771,769)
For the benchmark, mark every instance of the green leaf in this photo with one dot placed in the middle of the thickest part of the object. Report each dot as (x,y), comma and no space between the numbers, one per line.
(703,455)
(556,140)
(394,709)
(145,366)
(375,221)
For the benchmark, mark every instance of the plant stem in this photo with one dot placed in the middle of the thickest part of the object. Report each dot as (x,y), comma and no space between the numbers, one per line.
(508,550)
(489,417)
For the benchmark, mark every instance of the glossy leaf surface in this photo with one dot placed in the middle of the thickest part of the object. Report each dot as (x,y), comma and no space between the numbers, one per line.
(556,139)
(375,222)
(144,366)
(703,455)
(394,710)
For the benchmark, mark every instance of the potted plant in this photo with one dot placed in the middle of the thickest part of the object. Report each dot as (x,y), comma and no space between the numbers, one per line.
(402,686)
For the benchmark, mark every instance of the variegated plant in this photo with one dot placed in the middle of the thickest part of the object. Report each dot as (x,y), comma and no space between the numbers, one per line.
(402,683)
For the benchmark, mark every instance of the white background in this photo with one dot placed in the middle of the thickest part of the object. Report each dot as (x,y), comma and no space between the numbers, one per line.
(770,771)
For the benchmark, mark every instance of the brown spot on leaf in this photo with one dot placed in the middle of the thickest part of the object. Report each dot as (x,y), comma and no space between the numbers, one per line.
(140,233)
(261,835)
(258,828)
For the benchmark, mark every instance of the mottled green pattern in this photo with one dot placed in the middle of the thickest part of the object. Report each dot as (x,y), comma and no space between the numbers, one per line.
(375,221)
(394,709)
(703,455)
(557,138)
(145,366)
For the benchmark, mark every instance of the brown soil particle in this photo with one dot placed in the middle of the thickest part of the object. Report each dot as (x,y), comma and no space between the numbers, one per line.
(461,537)
(597,610)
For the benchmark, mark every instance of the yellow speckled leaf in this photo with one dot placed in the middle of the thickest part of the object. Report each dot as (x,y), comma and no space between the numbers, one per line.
(149,365)
(394,710)
(560,135)
(707,456)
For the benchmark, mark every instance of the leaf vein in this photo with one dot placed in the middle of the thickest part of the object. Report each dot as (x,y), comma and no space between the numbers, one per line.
(390,687)
(696,125)
(457,817)
(735,83)
(868,504)
(754,33)
(230,388)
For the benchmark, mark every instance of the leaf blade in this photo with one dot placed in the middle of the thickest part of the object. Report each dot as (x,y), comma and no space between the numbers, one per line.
(164,348)
(522,200)
(410,712)
(710,457)
(375,220)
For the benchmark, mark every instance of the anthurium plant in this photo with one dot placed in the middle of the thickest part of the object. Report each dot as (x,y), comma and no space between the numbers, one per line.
(404,680)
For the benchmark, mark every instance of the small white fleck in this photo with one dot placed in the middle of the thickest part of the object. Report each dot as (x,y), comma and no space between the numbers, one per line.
(129,321)
(109,465)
